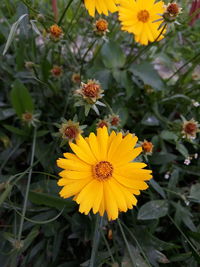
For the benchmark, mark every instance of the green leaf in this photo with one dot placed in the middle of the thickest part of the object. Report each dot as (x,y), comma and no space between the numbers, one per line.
(153,210)
(195,193)
(146,72)
(21,99)
(51,201)
(162,158)
(182,149)
(5,193)
(168,135)
(12,33)
(112,55)
(15,130)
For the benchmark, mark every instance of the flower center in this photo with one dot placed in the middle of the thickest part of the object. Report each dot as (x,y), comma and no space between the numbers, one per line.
(102,25)
(173,9)
(143,16)
(71,132)
(103,170)
(190,128)
(91,90)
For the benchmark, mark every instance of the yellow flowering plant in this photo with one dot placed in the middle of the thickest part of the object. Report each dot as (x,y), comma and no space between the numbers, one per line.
(99,154)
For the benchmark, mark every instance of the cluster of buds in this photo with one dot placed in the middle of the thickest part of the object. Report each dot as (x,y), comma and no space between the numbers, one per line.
(190,129)
(89,94)
(112,121)
(56,32)
(56,71)
(147,147)
(101,27)
(30,119)
(69,130)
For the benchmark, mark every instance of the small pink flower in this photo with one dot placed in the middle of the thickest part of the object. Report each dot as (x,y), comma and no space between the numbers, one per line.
(194,12)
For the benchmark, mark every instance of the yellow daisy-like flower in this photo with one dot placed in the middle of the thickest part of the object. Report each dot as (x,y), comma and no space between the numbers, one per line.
(139,17)
(101,175)
(102,6)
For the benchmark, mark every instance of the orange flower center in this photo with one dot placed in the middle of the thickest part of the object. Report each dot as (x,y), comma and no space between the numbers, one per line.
(102,25)
(173,9)
(71,132)
(143,16)
(103,170)
(91,90)
(190,128)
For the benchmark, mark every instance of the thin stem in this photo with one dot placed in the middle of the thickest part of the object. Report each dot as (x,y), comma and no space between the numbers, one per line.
(126,243)
(138,244)
(96,238)
(107,246)
(186,238)
(64,12)
(27,187)
(183,66)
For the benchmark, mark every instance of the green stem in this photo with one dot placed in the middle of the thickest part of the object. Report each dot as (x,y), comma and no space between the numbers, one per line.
(107,246)
(64,12)
(186,238)
(183,66)
(96,238)
(126,243)
(27,187)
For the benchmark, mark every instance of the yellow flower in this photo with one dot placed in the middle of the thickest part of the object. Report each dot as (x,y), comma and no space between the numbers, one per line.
(102,6)
(139,17)
(101,175)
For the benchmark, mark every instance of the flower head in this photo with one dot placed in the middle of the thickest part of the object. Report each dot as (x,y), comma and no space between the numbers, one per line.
(102,6)
(114,120)
(76,78)
(172,11)
(57,71)
(90,91)
(101,27)
(101,174)
(70,130)
(147,147)
(190,129)
(102,123)
(56,32)
(30,119)
(141,18)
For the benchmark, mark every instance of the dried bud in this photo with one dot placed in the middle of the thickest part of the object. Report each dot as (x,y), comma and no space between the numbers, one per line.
(172,12)
(57,71)
(101,27)
(56,32)
(147,147)
(110,234)
(30,118)
(114,120)
(29,65)
(102,123)
(70,130)
(76,78)
(90,91)
(190,129)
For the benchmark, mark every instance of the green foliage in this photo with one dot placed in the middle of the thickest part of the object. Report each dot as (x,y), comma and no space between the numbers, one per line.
(152,89)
